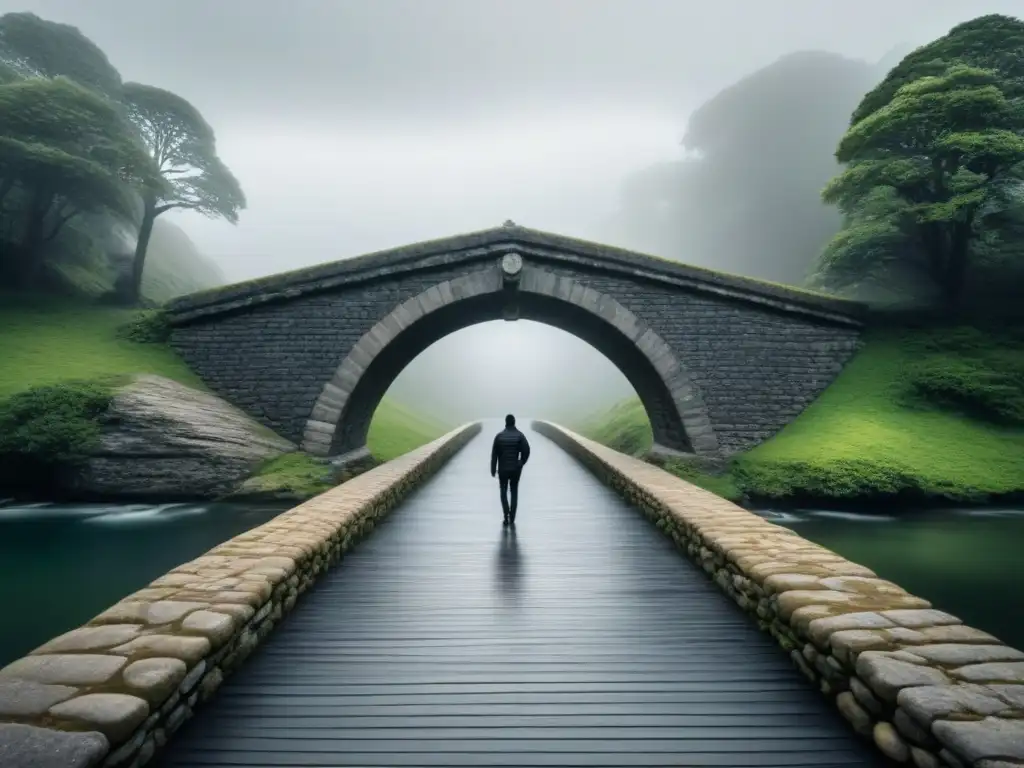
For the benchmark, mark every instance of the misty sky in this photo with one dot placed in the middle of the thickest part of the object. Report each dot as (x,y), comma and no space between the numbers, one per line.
(357,125)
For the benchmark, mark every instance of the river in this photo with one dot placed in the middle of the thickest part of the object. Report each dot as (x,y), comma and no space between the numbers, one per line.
(61,564)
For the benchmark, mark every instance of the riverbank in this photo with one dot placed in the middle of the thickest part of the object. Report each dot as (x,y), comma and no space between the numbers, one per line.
(76,405)
(920,417)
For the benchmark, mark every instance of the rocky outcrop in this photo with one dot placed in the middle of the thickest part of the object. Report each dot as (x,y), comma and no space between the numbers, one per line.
(164,440)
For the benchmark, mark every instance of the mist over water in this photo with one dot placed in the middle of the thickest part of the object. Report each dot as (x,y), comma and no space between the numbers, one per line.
(359,125)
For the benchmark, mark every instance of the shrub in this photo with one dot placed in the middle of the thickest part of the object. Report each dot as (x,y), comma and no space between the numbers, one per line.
(149,327)
(45,429)
(966,370)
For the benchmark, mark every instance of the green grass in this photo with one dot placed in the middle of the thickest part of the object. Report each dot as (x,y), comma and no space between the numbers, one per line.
(297,475)
(915,414)
(723,485)
(396,429)
(624,427)
(48,340)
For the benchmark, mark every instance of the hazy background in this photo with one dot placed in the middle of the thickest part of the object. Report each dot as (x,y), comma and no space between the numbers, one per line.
(358,125)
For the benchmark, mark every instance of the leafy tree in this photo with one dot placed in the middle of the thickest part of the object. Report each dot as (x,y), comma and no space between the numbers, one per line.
(66,150)
(183,147)
(926,172)
(35,46)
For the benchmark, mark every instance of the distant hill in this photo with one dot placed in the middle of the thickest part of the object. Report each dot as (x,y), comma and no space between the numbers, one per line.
(175,266)
(96,250)
(747,197)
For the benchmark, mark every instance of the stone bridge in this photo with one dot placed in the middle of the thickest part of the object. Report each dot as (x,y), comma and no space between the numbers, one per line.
(720,362)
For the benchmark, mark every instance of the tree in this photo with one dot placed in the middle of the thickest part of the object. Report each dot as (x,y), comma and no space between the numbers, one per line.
(35,46)
(937,163)
(183,148)
(66,150)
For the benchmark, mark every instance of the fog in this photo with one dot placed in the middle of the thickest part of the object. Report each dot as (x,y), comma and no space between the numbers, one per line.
(358,125)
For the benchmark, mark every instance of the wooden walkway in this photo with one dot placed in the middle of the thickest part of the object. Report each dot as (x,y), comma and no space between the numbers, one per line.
(582,639)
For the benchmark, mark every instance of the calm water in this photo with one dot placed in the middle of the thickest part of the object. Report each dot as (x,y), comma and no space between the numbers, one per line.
(969,563)
(60,565)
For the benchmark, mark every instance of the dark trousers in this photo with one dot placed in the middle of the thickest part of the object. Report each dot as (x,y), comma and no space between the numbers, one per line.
(509,481)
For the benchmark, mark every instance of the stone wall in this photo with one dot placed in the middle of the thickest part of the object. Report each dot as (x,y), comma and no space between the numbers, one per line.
(112,692)
(926,689)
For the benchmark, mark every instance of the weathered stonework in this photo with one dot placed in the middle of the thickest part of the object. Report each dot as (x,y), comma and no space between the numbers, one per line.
(112,692)
(927,690)
(720,362)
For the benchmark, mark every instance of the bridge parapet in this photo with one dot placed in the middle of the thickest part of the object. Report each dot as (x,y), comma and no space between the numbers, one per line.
(111,693)
(928,690)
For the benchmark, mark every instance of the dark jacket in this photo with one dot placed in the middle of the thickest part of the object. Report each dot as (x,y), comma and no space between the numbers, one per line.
(510,450)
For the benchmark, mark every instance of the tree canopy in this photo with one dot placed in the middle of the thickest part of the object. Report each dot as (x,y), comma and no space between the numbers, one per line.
(35,46)
(934,163)
(987,42)
(183,146)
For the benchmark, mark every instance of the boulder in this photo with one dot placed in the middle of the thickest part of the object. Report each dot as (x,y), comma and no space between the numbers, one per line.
(164,440)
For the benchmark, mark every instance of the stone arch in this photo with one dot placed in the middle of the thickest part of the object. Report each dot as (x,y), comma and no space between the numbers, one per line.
(340,418)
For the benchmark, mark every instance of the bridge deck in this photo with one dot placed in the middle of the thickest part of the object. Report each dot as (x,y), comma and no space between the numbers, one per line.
(584,639)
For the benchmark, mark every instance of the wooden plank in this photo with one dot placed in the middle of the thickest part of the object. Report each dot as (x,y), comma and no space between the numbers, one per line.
(580,639)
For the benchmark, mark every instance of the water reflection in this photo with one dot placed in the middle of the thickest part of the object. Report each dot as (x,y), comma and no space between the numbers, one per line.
(509,564)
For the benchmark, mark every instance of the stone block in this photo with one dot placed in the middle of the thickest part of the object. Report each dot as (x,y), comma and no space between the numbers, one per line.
(28,746)
(91,638)
(188,649)
(991,738)
(65,669)
(25,698)
(115,715)
(154,679)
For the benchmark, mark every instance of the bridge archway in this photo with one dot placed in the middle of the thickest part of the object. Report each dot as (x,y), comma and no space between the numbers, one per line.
(340,419)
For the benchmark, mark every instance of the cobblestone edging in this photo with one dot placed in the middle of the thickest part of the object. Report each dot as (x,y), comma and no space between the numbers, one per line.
(111,693)
(926,689)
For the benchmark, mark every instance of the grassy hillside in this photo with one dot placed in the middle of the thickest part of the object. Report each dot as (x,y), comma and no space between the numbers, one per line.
(396,429)
(174,266)
(917,413)
(624,427)
(46,341)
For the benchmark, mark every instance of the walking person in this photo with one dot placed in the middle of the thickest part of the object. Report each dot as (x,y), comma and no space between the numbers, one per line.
(509,455)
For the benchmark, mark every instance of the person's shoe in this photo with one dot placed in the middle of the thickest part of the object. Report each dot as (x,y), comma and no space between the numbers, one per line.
(505,520)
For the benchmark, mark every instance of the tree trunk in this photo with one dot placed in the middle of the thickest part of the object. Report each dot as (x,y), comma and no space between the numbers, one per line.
(35,238)
(141,246)
(954,276)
